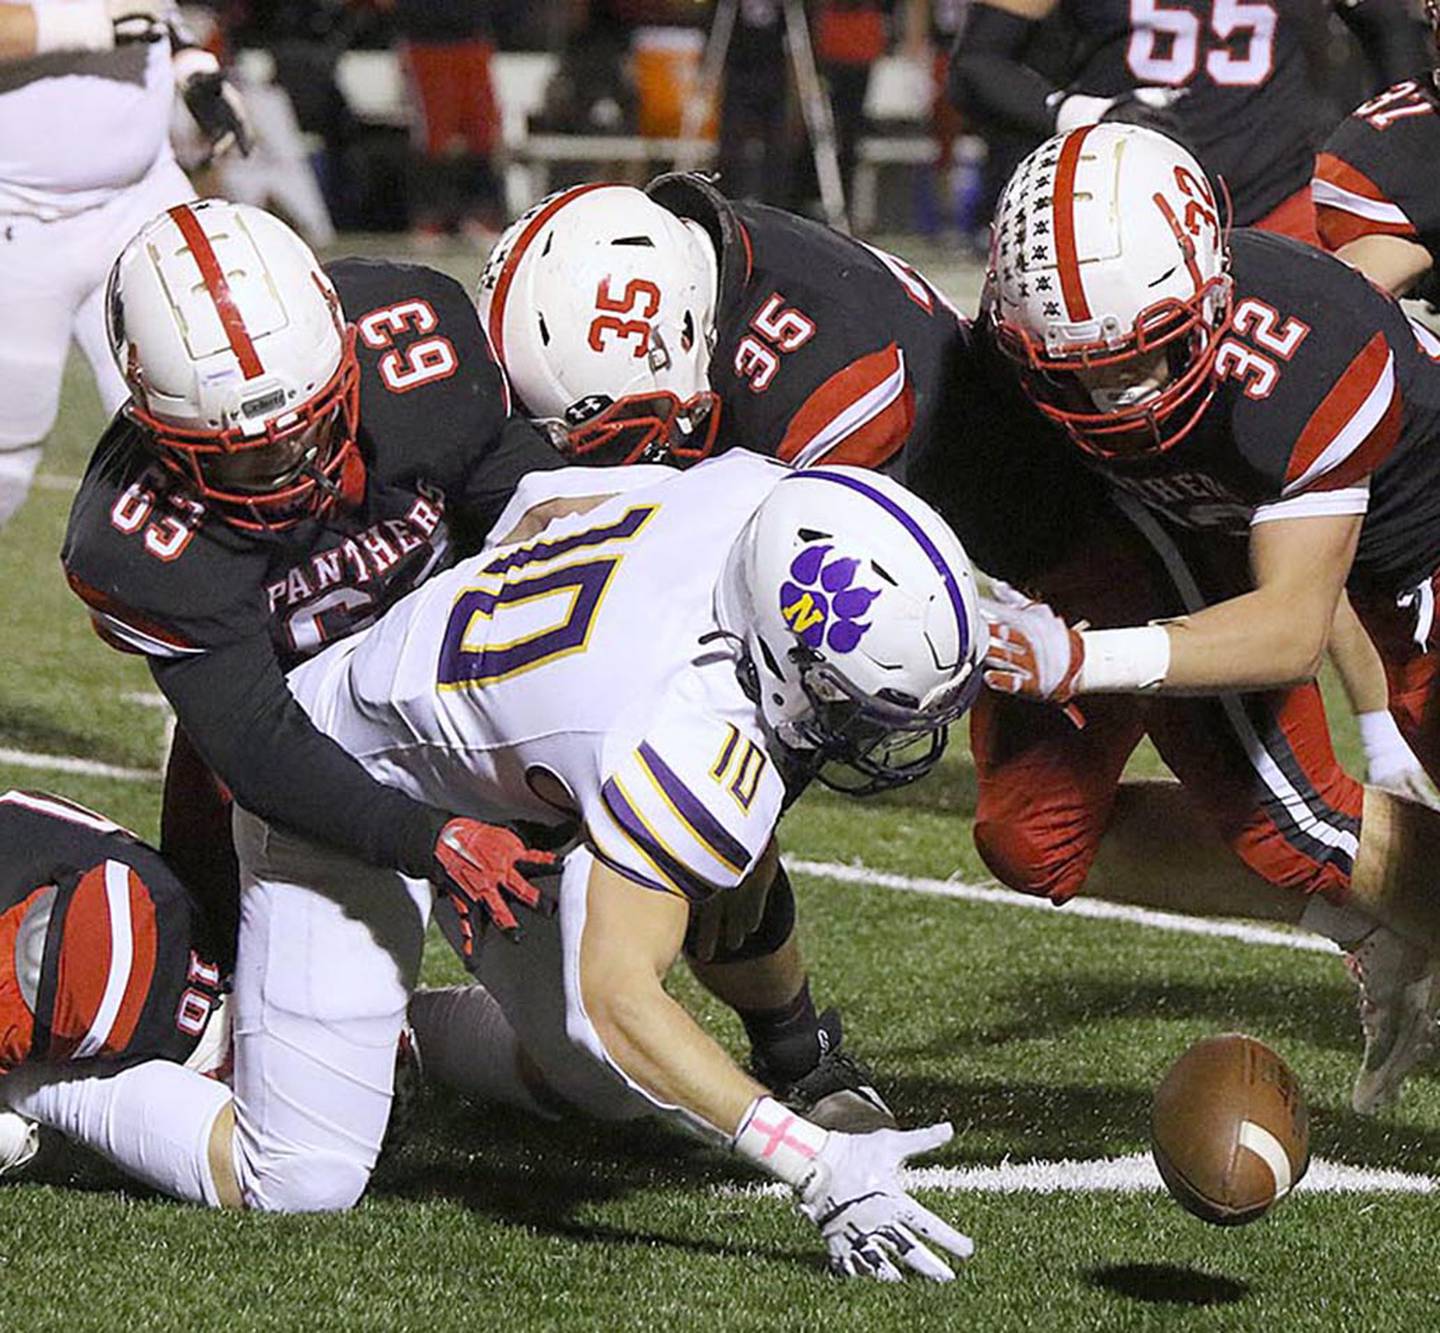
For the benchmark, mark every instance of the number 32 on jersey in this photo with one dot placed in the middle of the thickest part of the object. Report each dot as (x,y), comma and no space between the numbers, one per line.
(539,605)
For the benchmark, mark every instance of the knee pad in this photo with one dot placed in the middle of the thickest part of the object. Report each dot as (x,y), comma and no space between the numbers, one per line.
(299,1181)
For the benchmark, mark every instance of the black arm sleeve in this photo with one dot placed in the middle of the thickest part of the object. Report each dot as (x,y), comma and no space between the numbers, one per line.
(988,79)
(238,710)
(486,488)
(1392,41)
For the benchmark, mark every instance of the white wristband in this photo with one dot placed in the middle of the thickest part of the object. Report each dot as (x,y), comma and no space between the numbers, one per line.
(73,27)
(779,1141)
(1124,661)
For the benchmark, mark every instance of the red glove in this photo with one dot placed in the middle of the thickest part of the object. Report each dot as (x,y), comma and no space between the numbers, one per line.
(478,865)
(1032,652)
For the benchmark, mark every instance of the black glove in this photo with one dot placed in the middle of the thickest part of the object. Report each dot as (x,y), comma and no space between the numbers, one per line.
(213,101)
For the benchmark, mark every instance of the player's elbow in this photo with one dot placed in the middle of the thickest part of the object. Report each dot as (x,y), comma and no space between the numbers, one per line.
(616,999)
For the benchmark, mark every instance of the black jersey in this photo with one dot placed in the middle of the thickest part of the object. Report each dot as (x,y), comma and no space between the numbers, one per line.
(165,578)
(102,951)
(219,611)
(829,350)
(1326,402)
(1379,172)
(825,348)
(1248,112)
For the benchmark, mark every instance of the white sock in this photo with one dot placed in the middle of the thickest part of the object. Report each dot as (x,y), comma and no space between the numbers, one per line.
(1346,925)
(466,1043)
(17,472)
(153,1120)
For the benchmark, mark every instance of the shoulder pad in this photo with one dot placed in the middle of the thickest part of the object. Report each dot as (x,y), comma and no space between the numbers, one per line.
(690,808)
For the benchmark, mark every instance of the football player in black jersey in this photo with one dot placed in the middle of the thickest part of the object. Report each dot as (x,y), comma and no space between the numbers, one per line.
(1272,423)
(1248,110)
(302,447)
(1376,194)
(104,955)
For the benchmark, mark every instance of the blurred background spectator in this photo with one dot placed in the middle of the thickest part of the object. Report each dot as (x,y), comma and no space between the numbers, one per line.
(451,116)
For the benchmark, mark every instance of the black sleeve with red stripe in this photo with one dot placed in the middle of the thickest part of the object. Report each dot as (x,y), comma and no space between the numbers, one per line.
(147,955)
(1314,390)
(1375,175)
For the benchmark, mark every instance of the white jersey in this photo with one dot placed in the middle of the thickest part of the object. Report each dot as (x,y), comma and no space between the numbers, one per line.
(76,126)
(564,678)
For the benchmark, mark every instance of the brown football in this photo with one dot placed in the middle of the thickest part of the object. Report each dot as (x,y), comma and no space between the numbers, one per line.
(1229,1130)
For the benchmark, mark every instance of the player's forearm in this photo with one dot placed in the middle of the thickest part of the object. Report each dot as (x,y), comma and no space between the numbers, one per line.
(1255,642)
(1390,38)
(17,32)
(1391,262)
(659,1047)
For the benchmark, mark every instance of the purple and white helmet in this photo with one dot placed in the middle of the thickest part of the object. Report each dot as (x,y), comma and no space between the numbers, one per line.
(862,634)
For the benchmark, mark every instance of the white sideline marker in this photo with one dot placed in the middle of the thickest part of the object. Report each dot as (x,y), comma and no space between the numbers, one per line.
(1132,1174)
(64,763)
(1091,908)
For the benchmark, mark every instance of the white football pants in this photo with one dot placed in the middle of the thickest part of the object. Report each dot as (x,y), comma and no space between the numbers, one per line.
(53,277)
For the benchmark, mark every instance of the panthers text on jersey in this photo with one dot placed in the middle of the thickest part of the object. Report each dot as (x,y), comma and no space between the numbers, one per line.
(1247,113)
(1326,402)
(1375,175)
(568,681)
(102,951)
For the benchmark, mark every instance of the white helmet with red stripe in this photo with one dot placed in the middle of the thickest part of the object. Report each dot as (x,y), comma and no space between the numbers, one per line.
(241,367)
(600,305)
(1109,285)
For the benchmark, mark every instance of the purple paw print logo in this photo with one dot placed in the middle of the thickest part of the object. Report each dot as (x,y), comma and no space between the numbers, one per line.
(820,603)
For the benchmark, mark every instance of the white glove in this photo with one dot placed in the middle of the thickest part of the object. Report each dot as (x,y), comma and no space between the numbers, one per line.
(98,25)
(1390,764)
(1144,106)
(1032,652)
(870,1224)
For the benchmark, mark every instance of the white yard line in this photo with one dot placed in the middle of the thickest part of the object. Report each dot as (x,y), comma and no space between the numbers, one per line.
(1133,1174)
(64,763)
(50,481)
(994,895)
(146,699)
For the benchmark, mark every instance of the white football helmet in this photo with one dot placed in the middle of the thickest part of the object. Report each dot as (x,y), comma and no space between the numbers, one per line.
(241,367)
(1109,285)
(600,305)
(861,636)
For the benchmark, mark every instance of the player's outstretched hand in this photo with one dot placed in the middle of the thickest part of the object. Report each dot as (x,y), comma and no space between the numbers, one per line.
(214,102)
(480,865)
(1032,652)
(872,1227)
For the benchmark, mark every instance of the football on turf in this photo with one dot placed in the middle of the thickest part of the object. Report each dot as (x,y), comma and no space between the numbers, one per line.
(1229,1130)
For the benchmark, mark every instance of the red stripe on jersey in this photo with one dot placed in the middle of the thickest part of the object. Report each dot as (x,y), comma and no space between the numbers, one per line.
(142,966)
(84,966)
(1063,206)
(1339,227)
(749,250)
(880,438)
(841,393)
(1336,413)
(213,276)
(517,252)
(17,1023)
(101,601)
(1336,171)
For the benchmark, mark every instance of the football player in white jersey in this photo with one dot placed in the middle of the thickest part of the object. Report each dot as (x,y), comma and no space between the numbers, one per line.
(86,89)
(647,680)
